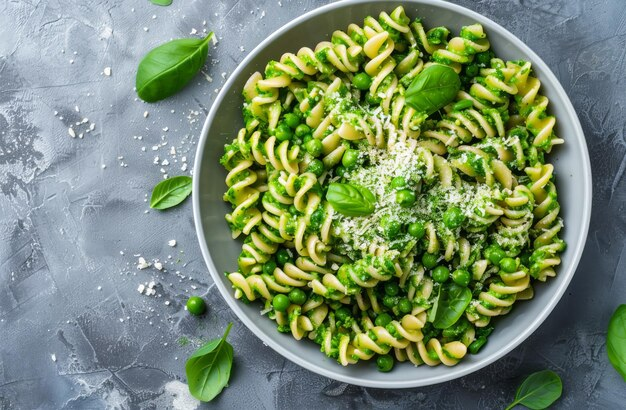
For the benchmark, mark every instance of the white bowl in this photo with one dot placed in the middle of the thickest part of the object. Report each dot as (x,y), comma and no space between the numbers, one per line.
(572,169)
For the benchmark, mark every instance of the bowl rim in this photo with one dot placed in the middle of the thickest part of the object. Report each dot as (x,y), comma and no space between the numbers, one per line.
(455,372)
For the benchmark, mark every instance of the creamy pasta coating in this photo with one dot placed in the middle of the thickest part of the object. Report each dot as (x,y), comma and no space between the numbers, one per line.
(380,231)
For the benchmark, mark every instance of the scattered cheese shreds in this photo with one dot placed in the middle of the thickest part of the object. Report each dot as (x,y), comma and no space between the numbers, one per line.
(107,71)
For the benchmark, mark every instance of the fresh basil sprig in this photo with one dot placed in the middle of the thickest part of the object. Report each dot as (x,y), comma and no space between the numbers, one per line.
(161,2)
(616,340)
(208,368)
(170,192)
(350,200)
(433,88)
(538,391)
(166,69)
(449,305)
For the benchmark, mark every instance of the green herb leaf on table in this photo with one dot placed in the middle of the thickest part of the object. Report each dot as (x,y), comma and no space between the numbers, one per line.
(538,391)
(170,192)
(166,69)
(450,305)
(432,89)
(616,340)
(208,368)
(161,2)
(350,200)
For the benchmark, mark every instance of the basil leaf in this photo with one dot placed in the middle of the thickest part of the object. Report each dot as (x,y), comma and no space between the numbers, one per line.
(208,368)
(616,340)
(433,88)
(166,69)
(538,391)
(161,2)
(350,200)
(170,192)
(451,303)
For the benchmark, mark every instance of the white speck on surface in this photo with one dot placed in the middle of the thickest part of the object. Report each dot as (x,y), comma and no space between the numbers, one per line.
(145,114)
(167,303)
(193,31)
(242,49)
(145,29)
(99,287)
(53,357)
(172,242)
(142,263)
(71,132)
(76,108)
(107,71)
(141,288)
(184,167)
(158,265)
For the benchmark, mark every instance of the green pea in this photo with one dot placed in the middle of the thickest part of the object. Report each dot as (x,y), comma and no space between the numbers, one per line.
(280,302)
(471,70)
(495,255)
(313,147)
(342,314)
(429,260)
(293,210)
(302,130)
(508,265)
(461,277)
(453,217)
(297,296)
(372,99)
(391,227)
(383,319)
(316,167)
(362,81)
(417,230)
(283,132)
(484,58)
(306,138)
(441,274)
(389,301)
(405,198)
(196,305)
(340,171)
(391,288)
(461,105)
(405,305)
(398,182)
(292,120)
(384,363)
(350,157)
(282,257)
(268,267)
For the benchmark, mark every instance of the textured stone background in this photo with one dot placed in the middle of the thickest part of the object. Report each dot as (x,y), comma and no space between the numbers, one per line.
(73,214)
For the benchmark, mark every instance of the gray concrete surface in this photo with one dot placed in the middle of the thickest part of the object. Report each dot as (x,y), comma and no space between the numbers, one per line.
(74,331)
